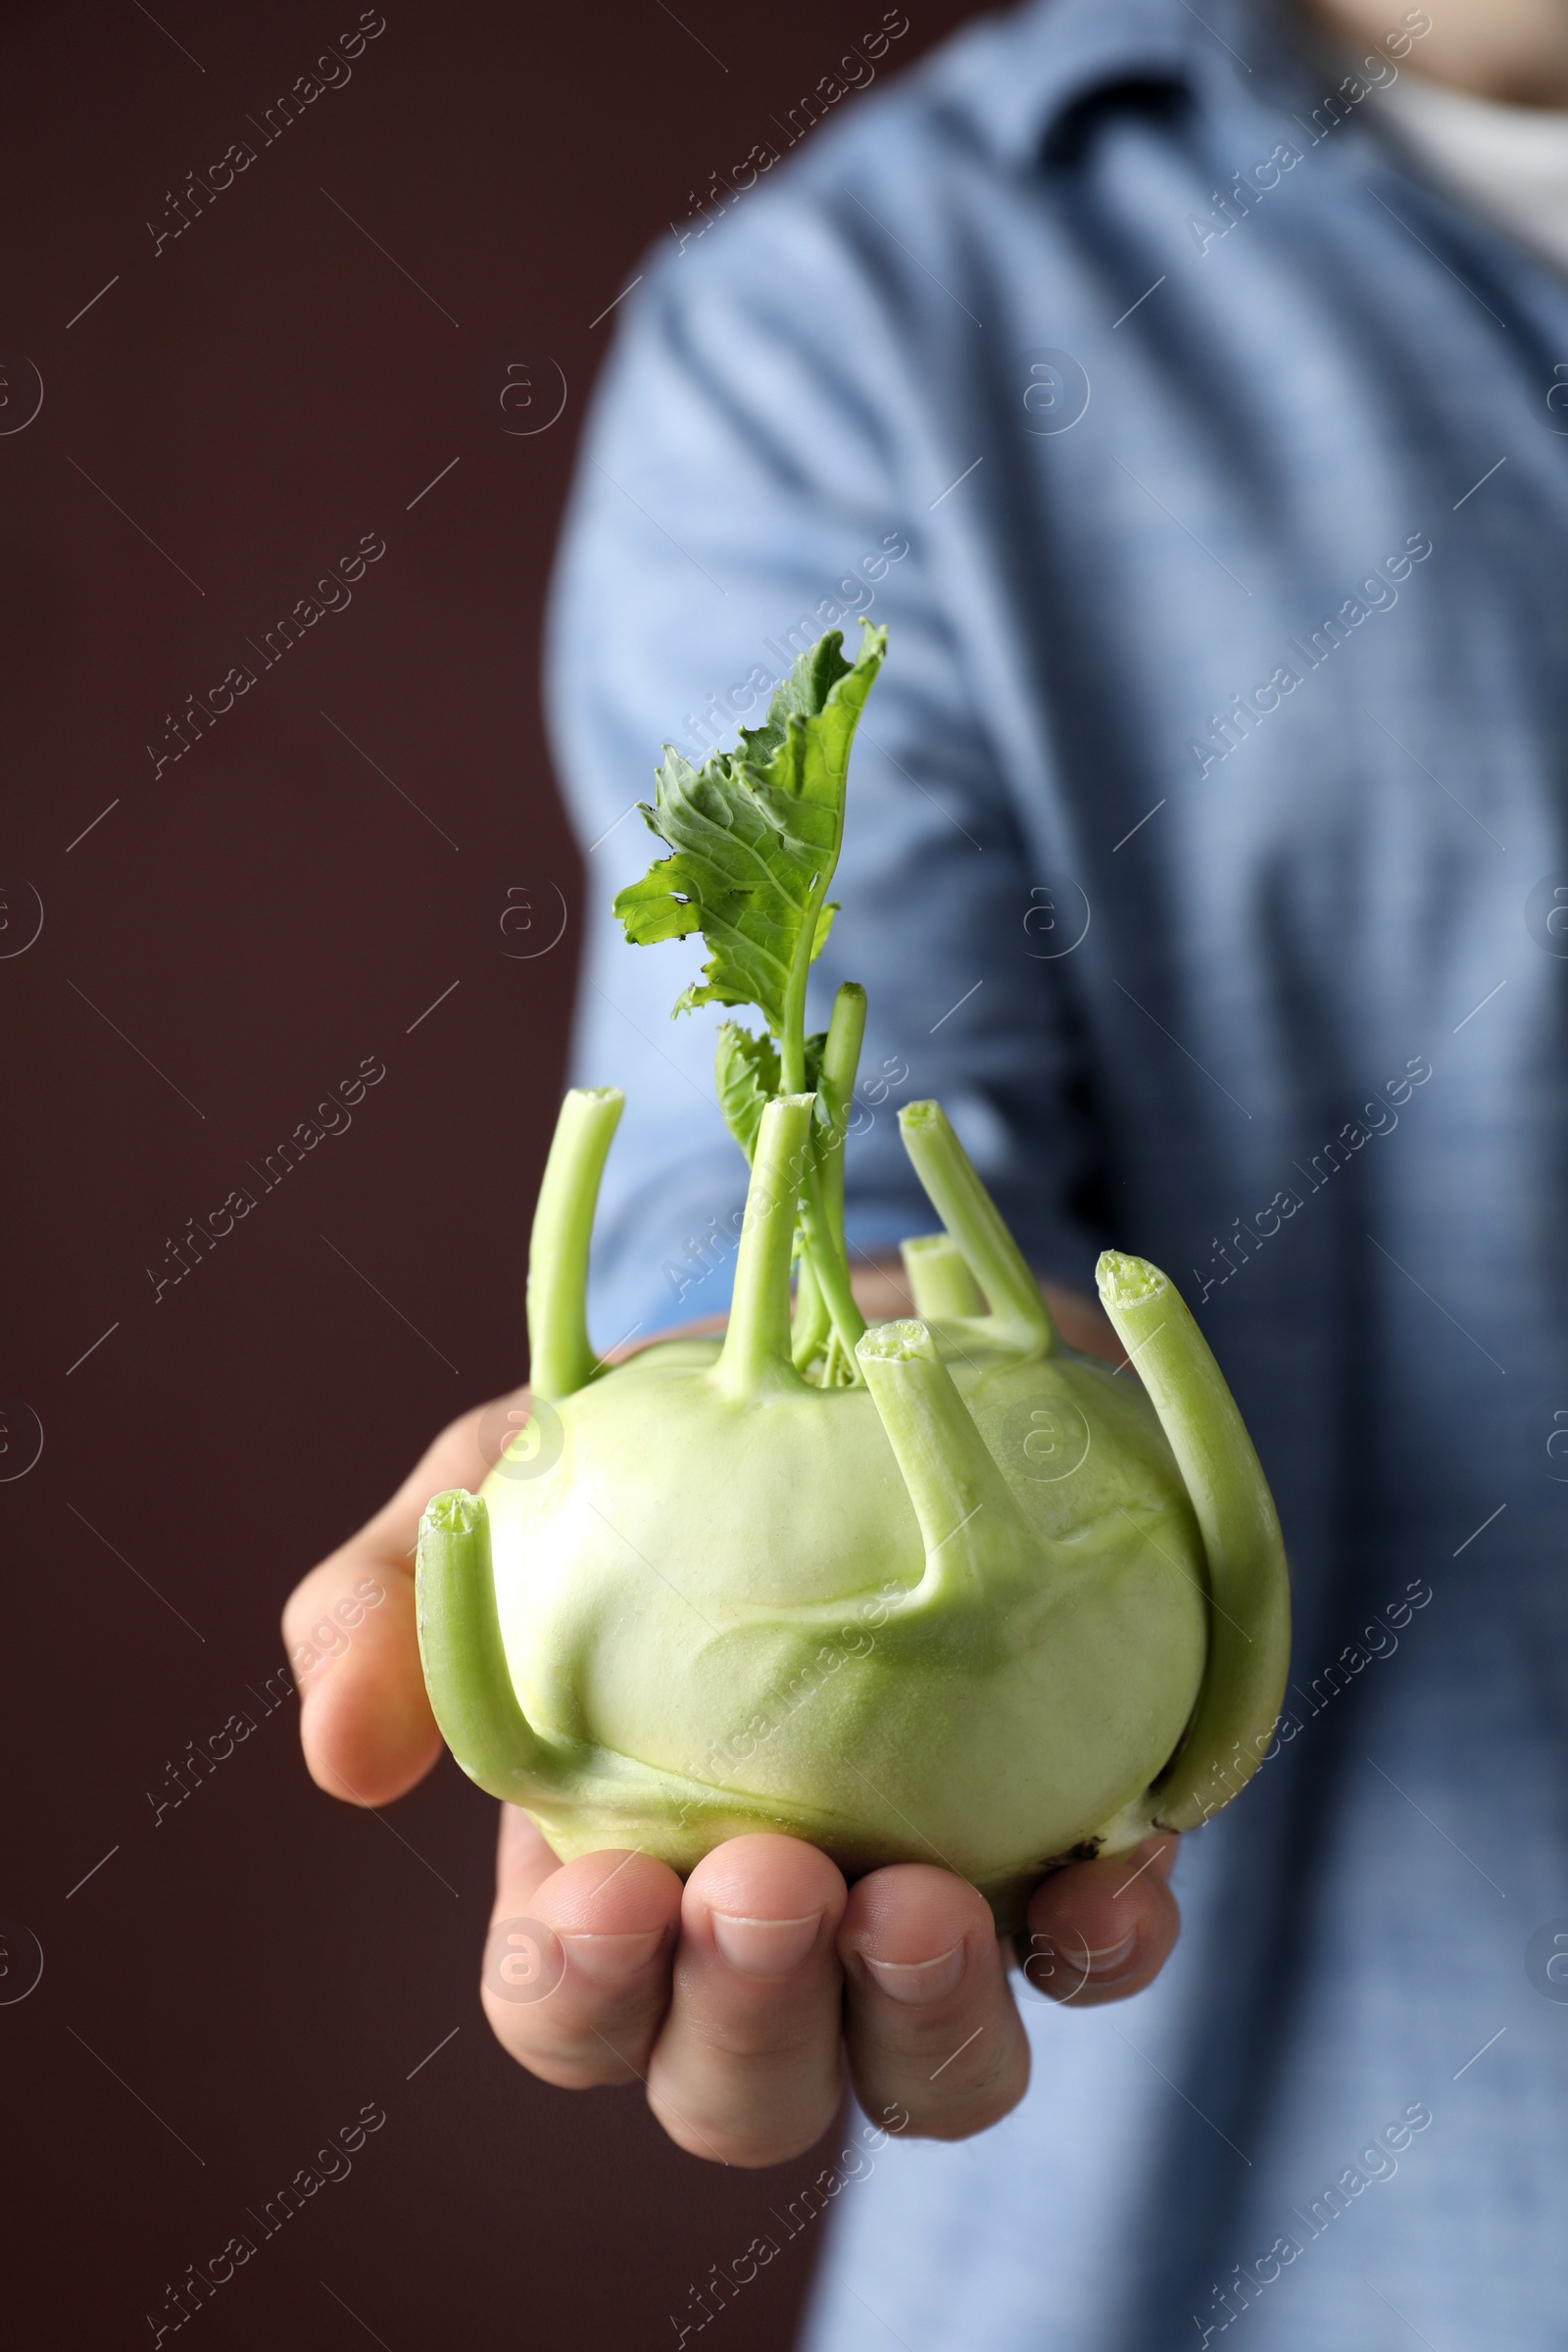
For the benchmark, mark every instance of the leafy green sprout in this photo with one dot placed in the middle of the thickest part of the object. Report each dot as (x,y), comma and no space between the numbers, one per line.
(755,836)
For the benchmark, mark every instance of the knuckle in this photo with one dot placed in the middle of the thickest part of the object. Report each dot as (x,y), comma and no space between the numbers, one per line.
(756,2039)
(963,2122)
(950,2086)
(975,2104)
(565,2062)
(719,2139)
(1101,1996)
(569,2073)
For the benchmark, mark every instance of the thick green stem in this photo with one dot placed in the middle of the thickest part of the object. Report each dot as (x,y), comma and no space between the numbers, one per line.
(560,1358)
(972,1528)
(939,1278)
(465,1671)
(829,1261)
(792,1040)
(812,1322)
(756,1354)
(967,1210)
(841,1060)
(1248,1583)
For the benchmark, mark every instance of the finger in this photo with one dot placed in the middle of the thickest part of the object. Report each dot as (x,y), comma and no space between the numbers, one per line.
(576,1968)
(1101,1931)
(932,2027)
(364,1721)
(746,2069)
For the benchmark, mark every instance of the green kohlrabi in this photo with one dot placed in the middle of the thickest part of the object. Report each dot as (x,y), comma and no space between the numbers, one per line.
(941,1591)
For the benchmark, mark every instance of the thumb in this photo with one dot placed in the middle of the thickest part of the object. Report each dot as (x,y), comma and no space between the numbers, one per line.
(365,1724)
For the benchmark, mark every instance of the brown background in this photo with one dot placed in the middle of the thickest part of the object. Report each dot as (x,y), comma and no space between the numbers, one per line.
(238,1977)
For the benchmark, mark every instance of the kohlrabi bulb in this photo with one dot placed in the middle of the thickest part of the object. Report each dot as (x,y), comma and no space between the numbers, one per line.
(939,1592)
(988,1606)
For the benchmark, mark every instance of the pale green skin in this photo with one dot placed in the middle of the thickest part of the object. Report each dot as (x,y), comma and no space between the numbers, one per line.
(723,1596)
(735,1594)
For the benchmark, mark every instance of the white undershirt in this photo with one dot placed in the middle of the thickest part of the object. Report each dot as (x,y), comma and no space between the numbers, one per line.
(1509,162)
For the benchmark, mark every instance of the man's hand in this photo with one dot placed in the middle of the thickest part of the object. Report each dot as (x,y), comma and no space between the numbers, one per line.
(737,1997)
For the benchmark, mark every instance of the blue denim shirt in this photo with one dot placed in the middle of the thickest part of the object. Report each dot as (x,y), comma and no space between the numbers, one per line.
(1205,833)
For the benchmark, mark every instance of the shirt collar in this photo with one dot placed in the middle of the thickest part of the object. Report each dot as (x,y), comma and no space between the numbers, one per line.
(1026,74)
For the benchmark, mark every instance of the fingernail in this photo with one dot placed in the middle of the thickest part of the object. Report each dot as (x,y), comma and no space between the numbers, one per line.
(1105,1962)
(765,1947)
(918,1979)
(610,1960)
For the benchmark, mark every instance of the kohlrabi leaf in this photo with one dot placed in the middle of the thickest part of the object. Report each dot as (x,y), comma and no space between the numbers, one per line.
(755,836)
(746,1072)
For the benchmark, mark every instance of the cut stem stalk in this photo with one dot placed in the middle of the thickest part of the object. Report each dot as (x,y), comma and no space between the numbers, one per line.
(939,1278)
(464,1659)
(561,1356)
(972,1528)
(954,1190)
(1250,1623)
(756,1354)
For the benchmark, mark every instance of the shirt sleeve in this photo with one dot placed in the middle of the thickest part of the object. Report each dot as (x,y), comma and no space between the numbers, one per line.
(747,481)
